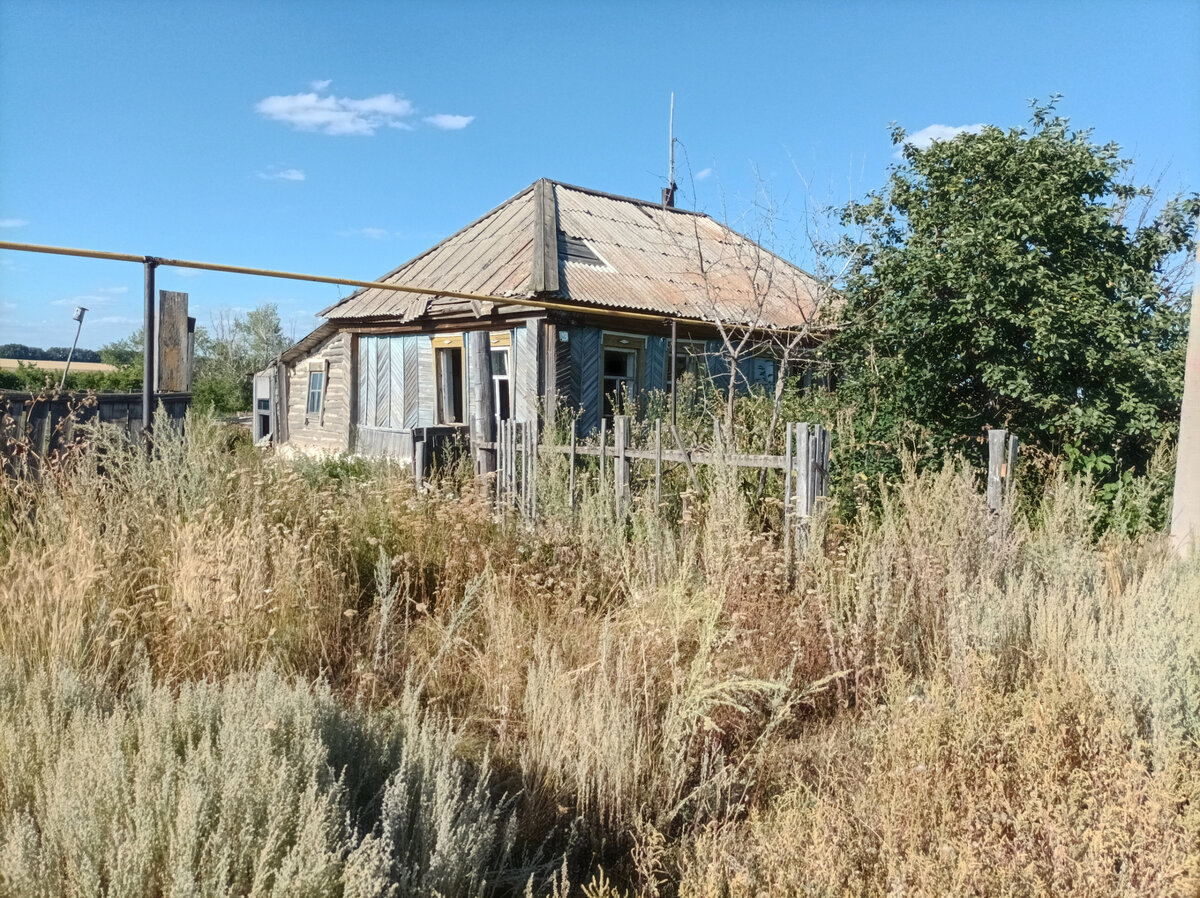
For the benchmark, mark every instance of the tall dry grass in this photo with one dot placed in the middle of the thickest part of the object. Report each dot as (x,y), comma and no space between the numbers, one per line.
(940,700)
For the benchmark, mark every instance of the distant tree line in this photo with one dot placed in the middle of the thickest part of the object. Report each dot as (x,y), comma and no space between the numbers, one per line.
(227,354)
(53,354)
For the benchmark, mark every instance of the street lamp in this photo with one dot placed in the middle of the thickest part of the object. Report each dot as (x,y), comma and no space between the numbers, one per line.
(80,311)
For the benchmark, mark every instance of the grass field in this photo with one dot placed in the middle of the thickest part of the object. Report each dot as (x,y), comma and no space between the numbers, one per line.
(226,673)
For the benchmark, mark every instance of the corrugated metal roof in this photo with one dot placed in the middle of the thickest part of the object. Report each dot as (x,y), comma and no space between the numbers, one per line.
(655,259)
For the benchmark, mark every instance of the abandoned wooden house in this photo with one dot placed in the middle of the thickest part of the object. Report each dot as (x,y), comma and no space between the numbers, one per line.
(559,297)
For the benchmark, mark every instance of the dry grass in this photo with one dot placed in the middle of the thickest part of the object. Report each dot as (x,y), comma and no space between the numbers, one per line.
(943,702)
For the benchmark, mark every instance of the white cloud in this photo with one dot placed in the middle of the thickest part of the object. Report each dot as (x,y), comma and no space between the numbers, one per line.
(13,222)
(926,136)
(447,122)
(369,233)
(337,115)
(703,173)
(87,300)
(320,85)
(282,174)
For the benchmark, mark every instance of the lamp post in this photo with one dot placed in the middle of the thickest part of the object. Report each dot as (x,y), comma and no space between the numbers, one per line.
(80,311)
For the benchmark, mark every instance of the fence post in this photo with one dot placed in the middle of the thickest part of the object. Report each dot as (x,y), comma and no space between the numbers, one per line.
(571,479)
(657,465)
(621,466)
(418,461)
(803,460)
(789,473)
(533,484)
(482,402)
(1010,465)
(997,440)
(603,447)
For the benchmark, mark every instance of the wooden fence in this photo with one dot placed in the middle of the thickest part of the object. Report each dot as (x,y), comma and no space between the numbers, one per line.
(35,425)
(805,464)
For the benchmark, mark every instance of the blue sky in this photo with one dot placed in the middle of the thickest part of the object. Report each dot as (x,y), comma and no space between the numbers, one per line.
(342,139)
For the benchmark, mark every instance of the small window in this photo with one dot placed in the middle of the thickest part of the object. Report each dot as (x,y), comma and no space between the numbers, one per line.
(620,371)
(762,372)
(576,249)
(620,379)
(449,364)
(691,357)
(316,391)
(501,383)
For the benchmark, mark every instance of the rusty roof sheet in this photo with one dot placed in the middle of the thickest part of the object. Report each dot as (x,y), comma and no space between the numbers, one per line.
(650,259)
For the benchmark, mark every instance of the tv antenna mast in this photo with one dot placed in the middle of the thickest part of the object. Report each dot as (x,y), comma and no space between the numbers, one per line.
(668,194)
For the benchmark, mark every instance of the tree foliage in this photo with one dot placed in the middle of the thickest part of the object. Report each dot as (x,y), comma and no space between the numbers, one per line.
(997,282)
(229,353)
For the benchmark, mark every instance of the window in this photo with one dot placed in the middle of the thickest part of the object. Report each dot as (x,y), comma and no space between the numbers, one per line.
(762,372)
(691,357)
(501,383)
(448,362)
(620,371)
(316,391)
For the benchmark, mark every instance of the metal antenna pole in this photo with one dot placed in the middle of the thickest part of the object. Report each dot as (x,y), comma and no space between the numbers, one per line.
(671,145)
(80,311)
(148,349)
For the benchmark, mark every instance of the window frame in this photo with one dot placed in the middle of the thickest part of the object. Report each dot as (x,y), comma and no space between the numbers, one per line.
(633,345)
(319,371)
(443,344)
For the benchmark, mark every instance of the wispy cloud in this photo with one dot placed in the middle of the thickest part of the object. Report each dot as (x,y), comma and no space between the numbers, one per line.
(274,173)
(446,122)
(90,300)
(118,319)
(926,136)
(369,233)
(13,222)
(703,173)
(337,115)
(320,85)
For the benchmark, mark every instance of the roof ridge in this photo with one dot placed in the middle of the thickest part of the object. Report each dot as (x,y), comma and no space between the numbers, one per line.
(627,199)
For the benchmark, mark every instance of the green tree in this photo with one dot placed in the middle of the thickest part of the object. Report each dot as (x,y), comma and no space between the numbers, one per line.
(229,353)
(125,353)
(996,282)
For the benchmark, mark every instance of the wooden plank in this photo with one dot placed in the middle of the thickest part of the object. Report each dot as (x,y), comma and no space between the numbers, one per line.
(571,477)
(1010,470)
(997,440)
(585,359)
(687,458)
(621,465)
(789,473)
(603,452)
(804,466)
(658,460)
(172,341)
(381,416)
(398,387)
(526,371)
(413,372)
(366,370)
(544,276)
(483,403)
